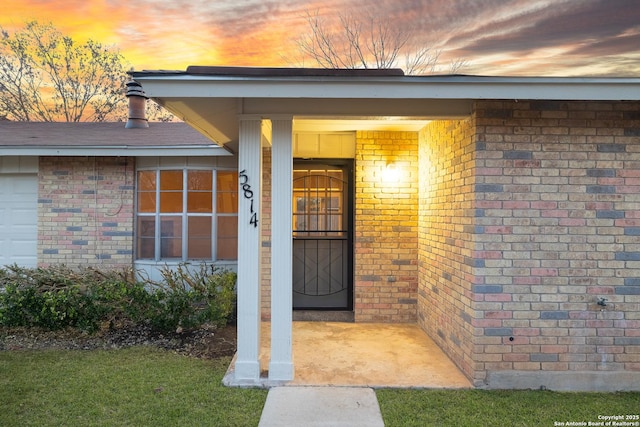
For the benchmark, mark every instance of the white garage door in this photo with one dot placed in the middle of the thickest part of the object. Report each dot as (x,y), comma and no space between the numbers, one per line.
(18,219)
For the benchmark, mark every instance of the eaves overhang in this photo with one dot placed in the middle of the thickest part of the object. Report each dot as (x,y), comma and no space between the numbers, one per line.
(388,87)
(119,151)
(211,99)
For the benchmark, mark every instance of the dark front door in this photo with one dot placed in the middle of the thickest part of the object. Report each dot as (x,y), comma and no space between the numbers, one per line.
(322,236)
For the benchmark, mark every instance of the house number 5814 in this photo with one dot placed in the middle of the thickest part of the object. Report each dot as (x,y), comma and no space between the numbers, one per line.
(247,193)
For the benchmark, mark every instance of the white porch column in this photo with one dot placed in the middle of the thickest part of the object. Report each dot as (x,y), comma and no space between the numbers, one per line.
(281,364)
(247,368)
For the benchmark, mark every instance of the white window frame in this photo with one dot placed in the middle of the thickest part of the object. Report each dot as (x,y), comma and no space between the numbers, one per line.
(183,165)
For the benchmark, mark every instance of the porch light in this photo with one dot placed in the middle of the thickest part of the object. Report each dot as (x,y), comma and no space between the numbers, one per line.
(391,173)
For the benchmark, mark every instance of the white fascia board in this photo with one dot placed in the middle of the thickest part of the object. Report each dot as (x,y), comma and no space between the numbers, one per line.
(212,150)
(452,87)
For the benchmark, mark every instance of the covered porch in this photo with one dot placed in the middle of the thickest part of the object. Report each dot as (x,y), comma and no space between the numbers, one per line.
(239,109)
(361,354)
(427,257)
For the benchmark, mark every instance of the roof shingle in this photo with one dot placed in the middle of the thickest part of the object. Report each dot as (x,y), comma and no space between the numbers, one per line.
(101,134)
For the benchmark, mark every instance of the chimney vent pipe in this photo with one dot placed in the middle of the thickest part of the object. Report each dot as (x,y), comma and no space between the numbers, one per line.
(137,106)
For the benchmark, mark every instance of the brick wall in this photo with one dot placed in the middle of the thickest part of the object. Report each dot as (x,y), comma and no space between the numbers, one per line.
(446,248)
(520,218)
(386,272)
(265,224)
(557,227)
(85,211)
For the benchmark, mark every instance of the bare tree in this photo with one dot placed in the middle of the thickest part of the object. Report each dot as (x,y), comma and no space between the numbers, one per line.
(367,43)
(46,76)
(455,65)
(157,113)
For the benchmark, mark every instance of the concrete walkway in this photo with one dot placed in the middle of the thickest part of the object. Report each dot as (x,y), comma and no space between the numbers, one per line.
(321,406)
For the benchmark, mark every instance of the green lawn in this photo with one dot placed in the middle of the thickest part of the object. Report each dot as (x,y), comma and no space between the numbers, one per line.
(133,387)
(501,408)
(148,387)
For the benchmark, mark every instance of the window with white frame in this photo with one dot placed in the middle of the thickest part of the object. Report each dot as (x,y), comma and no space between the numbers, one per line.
(187,213)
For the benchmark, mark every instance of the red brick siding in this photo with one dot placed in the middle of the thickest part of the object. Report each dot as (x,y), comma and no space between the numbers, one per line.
(386,221)
(445,307)
(265,223)
(85,211)
(557,226)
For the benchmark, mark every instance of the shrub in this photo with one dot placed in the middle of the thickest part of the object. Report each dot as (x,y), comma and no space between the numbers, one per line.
(58,297)
(188,298)
(49,298)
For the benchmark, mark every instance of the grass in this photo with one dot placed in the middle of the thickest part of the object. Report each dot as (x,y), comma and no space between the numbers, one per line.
(500,408)
(132,387)
(149,387)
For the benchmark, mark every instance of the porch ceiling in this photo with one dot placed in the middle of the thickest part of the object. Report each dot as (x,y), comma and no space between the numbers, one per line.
(217,118)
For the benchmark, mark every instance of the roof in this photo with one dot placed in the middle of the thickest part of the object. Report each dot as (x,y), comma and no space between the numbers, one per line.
(102,138)
(256,82)
(211,99)
(277,72)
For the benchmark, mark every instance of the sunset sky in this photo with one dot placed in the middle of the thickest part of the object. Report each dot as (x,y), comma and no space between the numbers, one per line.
(495,37)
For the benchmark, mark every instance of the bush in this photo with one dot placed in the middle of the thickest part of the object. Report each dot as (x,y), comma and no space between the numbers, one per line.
(50,298)
(187,298)
(58,297)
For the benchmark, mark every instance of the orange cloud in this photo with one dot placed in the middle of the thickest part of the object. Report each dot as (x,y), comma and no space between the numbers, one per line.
(494,36)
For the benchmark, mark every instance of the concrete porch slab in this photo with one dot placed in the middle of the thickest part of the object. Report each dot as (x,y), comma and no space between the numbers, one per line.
(362,355)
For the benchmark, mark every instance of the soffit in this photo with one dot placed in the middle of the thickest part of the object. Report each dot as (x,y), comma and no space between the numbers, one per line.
(217,118)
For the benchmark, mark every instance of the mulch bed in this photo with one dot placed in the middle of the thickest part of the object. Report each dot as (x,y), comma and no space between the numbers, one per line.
(202,343)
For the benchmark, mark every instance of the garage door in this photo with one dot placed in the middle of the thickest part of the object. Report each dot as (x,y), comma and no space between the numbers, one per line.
(18,219)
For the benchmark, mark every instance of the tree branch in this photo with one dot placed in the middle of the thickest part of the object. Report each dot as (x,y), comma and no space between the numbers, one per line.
(353,42)
(47,76)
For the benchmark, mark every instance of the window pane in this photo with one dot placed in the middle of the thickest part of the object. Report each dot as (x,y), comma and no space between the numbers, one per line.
(335,222)
(200,180)
(199,243)
(335,174)
(146,202)
(319,180)
(200,202)
(170,191)
(171,202)
(227,202)
(146,231)
(227,181)
(147,180)
(299,179)
(227,192)
(146,191)
(171,237)
(170,180)
(227,238)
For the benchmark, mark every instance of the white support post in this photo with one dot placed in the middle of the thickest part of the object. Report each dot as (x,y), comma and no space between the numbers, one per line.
(247,367)
(281,364)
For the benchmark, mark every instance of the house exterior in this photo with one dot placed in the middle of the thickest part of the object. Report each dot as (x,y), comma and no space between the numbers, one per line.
(84,194)
(499,214)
